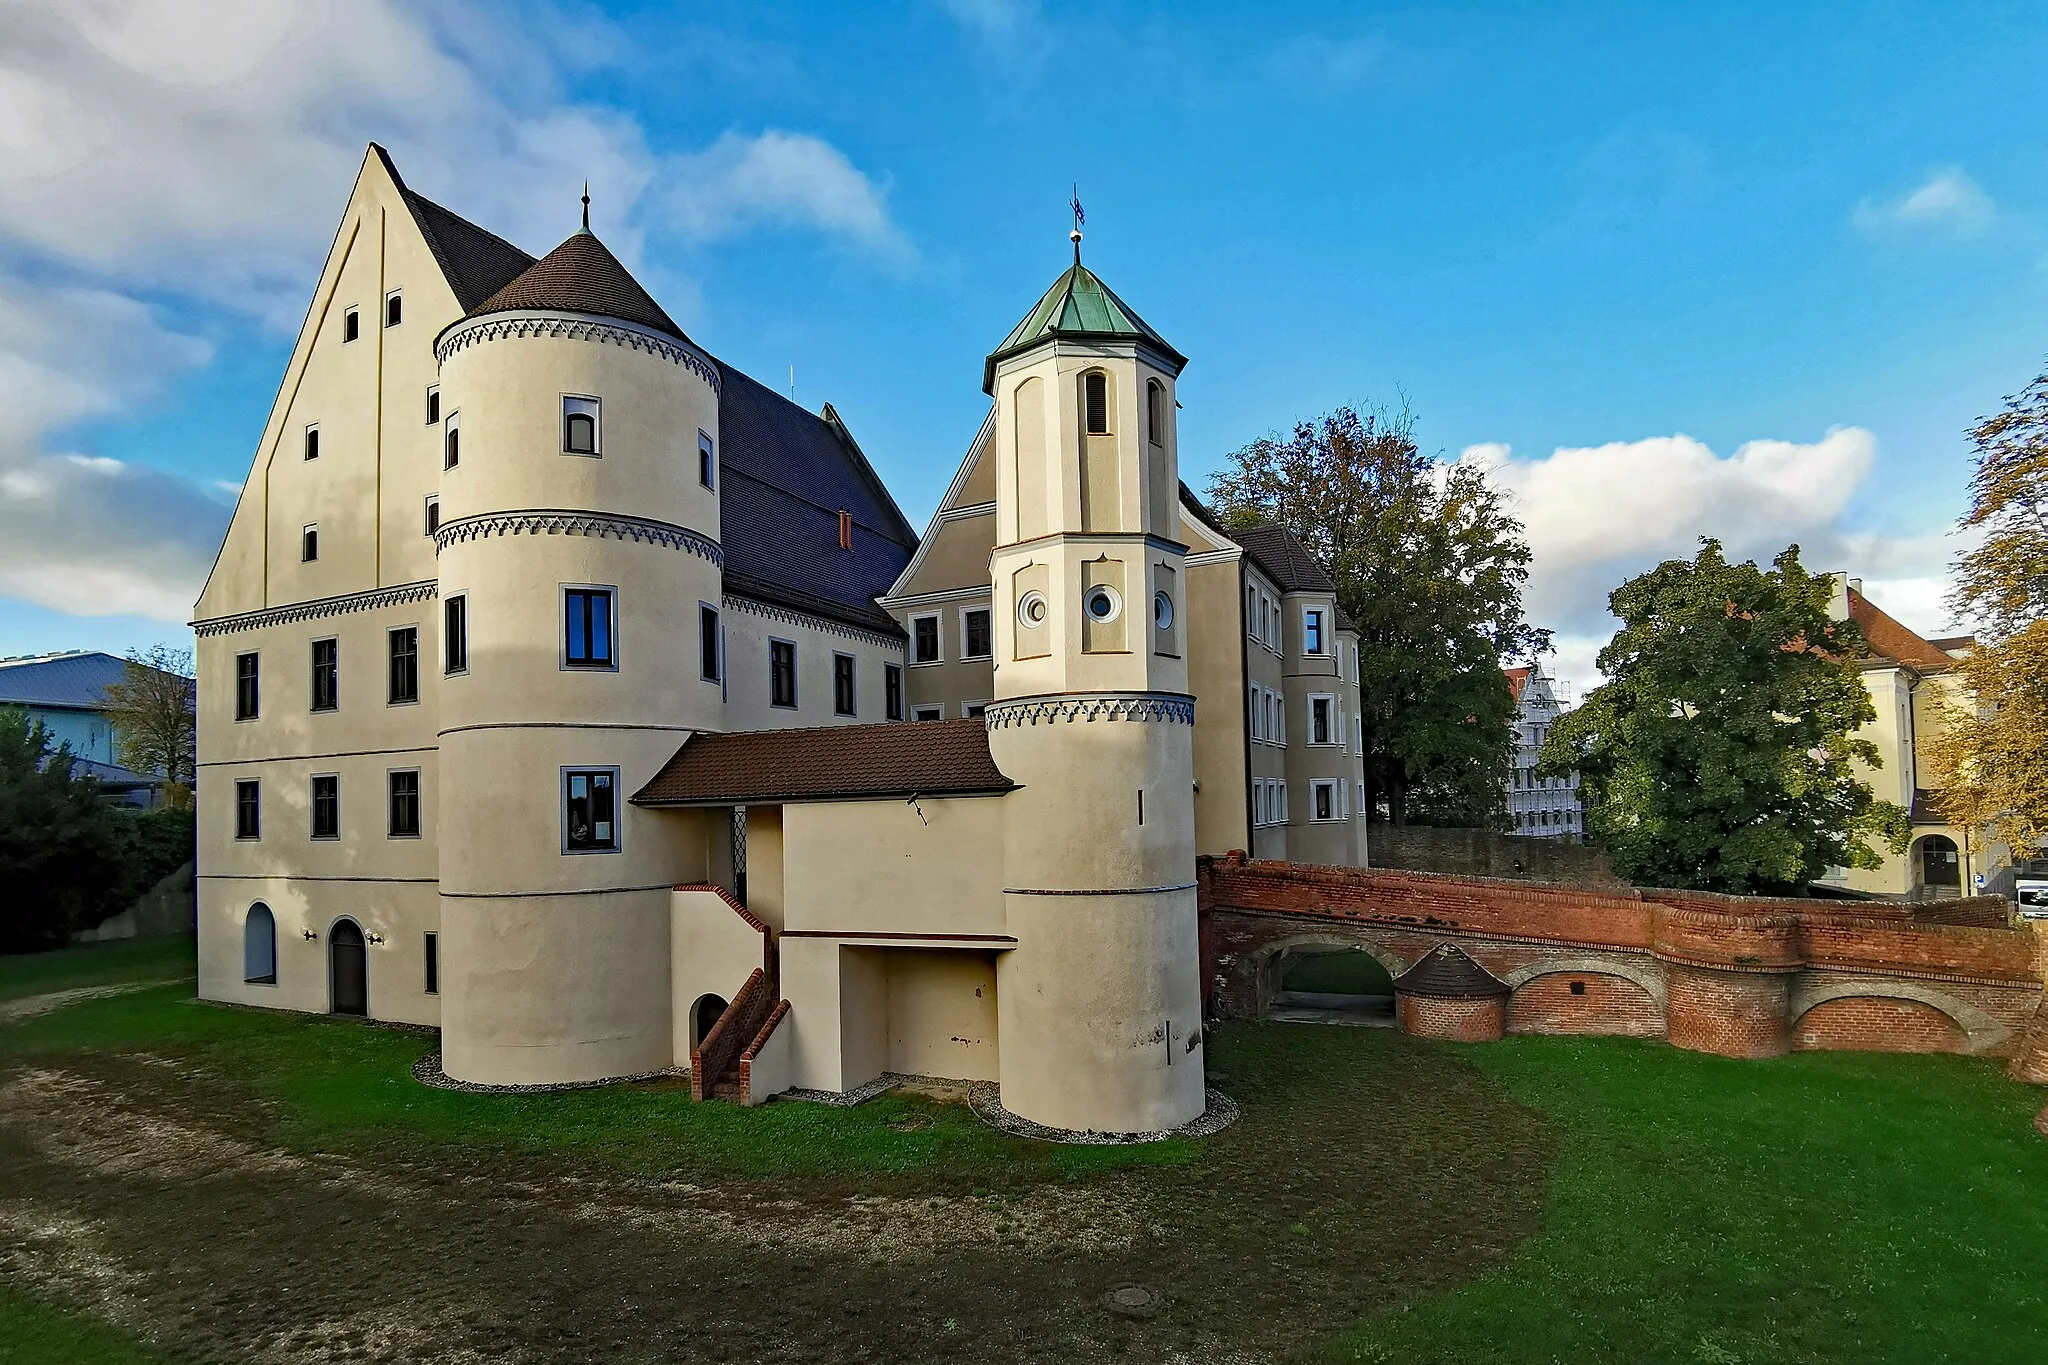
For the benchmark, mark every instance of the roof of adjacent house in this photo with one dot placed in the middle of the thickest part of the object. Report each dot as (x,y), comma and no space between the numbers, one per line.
(1518,678)
(831,763)
(1949,644)
(74,680)
(1449,973)
(476,263)
(1894,642)
(582,276)
(1282,557)
(1081,306)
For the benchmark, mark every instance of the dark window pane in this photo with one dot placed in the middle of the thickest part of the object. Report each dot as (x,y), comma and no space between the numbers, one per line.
(588,622)
(455,634)
(589,812)
(327,807)
(405,665)
(312,443)
(248,810)
(977,634)
(351,325)
(405,803)
(433,964)
(707,643)
(394,311)
(927,628)
(1097,387)
(433,515)
(842,684)
(433,405)
(246,687)
(892,691)
(707,462)
(326,675)
(781,673)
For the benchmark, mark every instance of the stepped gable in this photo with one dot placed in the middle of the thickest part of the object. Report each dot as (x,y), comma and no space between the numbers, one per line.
(1449,973)
(829,763)
(1282,557)
(582,276)
(1082,307)
(476,263)
(786,472)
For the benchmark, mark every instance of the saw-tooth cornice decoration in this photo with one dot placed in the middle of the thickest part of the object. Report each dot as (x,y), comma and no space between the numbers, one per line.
(792,617)
(326,606)
(1166,707)
(564,522)
(577,329)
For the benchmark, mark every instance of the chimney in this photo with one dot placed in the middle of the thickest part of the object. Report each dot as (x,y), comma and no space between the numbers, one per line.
(845,529)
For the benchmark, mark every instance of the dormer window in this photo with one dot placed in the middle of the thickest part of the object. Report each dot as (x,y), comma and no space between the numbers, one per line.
(579,426)
(1155,412)
(1095,397)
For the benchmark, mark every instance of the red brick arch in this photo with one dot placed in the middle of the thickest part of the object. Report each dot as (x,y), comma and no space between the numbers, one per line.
(1604,1003)
(1877,1023)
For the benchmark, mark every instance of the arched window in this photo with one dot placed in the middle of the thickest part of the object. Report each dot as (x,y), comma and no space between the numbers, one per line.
(1095,393)
(579,426)
(1155,412)
(259,946)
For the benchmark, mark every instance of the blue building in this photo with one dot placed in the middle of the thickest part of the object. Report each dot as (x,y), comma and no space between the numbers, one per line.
(67,692)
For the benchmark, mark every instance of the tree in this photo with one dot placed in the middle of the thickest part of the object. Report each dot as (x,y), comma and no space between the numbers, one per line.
(1430,564)
(1717,755)
(152,712)
(65,854)
(1992,750)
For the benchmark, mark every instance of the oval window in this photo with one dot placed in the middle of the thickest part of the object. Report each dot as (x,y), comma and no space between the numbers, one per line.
(1102,603)
(1031,610)
(1162,612)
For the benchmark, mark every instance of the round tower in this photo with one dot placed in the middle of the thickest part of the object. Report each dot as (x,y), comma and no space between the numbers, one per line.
(579,540)
(1100,1001)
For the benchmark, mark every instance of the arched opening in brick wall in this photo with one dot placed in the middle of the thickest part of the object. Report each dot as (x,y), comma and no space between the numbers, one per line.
(704,1017)
(1585,1002)
(1329,980)
(1877,1023)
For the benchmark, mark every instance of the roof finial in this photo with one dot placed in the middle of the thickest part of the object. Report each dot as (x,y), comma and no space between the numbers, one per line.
(586,206)
(1079,218)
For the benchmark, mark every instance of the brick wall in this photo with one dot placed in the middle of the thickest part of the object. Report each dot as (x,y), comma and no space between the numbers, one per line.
(1489,853)
(1453,1021)
(1730,1014)
(1585,1003)
(1866,1023)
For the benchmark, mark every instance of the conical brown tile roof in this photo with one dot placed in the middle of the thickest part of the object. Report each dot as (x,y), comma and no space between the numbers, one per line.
(1449,973)
(582,276)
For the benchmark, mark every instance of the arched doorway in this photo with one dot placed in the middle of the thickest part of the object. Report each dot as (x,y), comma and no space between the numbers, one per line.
(348,969)
(703,1018)
(1941,868)
(1333,985)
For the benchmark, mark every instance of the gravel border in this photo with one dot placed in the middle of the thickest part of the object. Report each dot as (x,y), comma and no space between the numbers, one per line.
(985,1099)
(427,1071)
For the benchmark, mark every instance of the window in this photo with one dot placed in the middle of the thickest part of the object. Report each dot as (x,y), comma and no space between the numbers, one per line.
(892,691)
(974,634)
(326,806)
(1102,603)
(247,694)
(1155,412)
(1312,631)
(707,643)
(587,628)
(1031,610)
(1162,611)
(842,684)
(1280,790)
(326,675)
(451,441)
(248,809)
(309,543)
(433,404)
(589,810)
(924,639)
(405,665)
(351,325)
(929,712)
(455,635)
(973,710)
(1095,391)
(313,442)
(405,803)
(259,946)
(433,960)
(394,309)
(1322,800)
(781,673)
(579,426)
(1319,729)
(707,461)
(433,514)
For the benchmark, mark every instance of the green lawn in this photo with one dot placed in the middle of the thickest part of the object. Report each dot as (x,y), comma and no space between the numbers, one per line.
(96,964)
(34,1333)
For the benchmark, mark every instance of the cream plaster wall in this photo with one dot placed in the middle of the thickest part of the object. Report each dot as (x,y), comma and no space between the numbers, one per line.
(868,867)
(941,1010)
(712,951)
(747,696)
(398,912)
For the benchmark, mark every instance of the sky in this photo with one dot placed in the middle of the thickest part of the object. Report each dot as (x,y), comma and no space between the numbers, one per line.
(1737,270)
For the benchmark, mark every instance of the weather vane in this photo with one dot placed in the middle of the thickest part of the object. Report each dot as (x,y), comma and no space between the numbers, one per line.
(586,206)
(1080,217)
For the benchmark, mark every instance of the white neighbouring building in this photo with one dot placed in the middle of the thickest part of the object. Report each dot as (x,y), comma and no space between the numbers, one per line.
(1541,807)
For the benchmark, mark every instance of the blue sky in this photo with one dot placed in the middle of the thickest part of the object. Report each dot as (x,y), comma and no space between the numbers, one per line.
(1811,239)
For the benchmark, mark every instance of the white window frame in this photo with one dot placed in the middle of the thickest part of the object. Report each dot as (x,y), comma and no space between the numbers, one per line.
(618,808)
(447,638)
(384,319)
(309,443)
(310,529)
(707,460)
(1317,787)
(1322,620)
(717,644)
(1333,721)
(451,440)
(430,514)
(596,415)
(937,708)
(433,405)
(972,710)
(938,639)
(611,592)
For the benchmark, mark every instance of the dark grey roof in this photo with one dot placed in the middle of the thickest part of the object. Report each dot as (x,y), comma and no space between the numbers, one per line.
(786,473)
(476,263)
(77,680)
(840,762)
(1284,559)
(582,276)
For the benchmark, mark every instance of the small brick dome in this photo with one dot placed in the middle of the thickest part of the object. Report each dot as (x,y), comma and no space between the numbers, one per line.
(1449,973)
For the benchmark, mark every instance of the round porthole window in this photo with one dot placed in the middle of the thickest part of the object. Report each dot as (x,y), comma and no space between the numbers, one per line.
(1102,603)
(1031,610)
(1162,611)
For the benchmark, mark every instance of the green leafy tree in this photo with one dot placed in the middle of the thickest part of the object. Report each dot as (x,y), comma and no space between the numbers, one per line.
(1718,753)
(66,856)
(152,712)
(1429,564)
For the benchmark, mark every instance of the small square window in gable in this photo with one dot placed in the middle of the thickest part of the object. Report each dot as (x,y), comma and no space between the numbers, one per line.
(351,325)
(394,309)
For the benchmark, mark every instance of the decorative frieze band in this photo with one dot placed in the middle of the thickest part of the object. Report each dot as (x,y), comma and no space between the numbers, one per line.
(574,328)
(563,522)
(313,611)
(1168,707)
(775,611)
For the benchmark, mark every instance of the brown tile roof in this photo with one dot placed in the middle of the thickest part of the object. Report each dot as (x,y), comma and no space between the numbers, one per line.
(1954,642)
(1893,641)
(1284,559)
(1449,974)
(582,276)
(840,762)
(1518,678)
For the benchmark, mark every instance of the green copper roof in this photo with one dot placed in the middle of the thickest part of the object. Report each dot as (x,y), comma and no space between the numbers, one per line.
(1077,305)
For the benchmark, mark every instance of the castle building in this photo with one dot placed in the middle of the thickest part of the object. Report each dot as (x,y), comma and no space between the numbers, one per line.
(558,686)
(1541,807)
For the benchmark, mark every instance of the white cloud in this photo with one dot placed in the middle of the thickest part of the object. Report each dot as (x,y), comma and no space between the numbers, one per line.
(201,150)
(1597,515)
(1950,201)
(1010,33)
